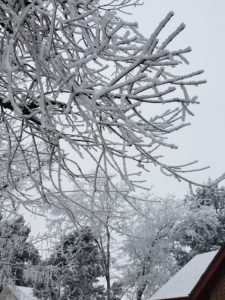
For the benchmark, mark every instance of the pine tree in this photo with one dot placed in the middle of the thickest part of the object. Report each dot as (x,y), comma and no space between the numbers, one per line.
(72,271)
(203,227)
(16,252)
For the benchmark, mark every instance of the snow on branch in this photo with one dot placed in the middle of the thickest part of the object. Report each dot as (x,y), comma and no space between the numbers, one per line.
(78,83)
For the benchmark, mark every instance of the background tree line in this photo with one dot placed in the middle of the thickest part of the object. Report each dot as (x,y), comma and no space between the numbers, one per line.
(116,256)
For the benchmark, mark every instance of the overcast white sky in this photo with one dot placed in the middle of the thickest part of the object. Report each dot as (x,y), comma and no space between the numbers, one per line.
(204,140)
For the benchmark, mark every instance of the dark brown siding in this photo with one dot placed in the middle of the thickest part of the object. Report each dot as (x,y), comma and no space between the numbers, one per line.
(218,292)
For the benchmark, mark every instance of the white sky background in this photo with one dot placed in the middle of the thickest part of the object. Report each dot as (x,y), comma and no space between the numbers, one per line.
(204,139)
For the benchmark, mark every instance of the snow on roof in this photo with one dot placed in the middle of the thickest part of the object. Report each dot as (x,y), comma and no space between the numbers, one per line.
(183,282)
(23,293)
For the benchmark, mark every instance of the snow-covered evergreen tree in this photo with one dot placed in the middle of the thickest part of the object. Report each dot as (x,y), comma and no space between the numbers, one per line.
(72,271)
(202,229)
(16,252)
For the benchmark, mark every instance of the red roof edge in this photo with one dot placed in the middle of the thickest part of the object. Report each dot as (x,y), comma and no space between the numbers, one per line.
(208,274)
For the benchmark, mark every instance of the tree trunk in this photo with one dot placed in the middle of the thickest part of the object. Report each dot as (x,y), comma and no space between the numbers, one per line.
(140,292)
(108,283)
(142,287)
